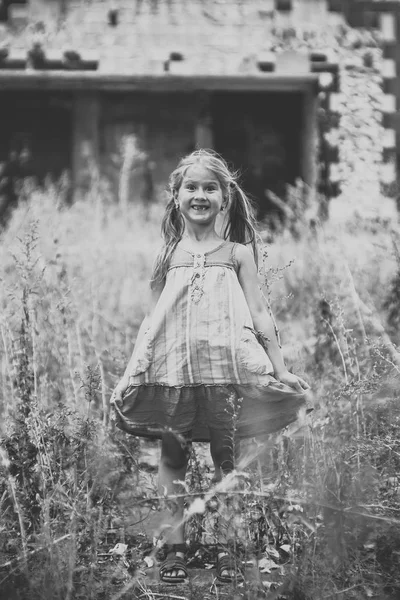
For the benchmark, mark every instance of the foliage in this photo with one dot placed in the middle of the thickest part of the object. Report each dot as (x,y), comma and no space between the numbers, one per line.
(317,507)
(314,508)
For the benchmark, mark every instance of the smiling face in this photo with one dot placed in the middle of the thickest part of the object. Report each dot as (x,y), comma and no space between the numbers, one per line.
(200,195)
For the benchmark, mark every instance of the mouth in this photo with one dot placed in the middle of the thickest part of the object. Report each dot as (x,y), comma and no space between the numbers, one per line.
(199,207)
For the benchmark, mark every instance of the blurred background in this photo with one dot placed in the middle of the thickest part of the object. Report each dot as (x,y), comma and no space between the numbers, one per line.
(265,83)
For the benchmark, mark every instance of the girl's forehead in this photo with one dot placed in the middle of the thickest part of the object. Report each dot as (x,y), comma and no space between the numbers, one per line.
(199,173)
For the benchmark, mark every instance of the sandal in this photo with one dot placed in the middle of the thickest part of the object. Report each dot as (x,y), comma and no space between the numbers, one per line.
(173,563)
(230,564)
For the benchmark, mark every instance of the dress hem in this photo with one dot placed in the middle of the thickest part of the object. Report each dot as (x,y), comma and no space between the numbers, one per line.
(153,409)
(208,385)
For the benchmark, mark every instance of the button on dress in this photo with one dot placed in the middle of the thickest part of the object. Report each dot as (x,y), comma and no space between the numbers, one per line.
(199,365)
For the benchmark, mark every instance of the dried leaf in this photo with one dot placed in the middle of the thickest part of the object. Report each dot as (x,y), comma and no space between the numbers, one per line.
(369,546)
(119,549)
(273,552)
(149,561)
(270,585)
(265,565)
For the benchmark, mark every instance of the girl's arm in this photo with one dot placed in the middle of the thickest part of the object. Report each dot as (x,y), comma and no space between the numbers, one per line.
(155,294)
(262,320)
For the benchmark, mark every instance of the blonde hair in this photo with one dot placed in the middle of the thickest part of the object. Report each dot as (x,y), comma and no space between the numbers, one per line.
(240,226)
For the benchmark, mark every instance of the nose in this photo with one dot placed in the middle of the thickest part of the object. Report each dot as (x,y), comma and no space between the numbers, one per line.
(200,195)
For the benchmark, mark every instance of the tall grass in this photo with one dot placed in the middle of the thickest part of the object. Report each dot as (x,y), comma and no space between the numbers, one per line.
(73,287)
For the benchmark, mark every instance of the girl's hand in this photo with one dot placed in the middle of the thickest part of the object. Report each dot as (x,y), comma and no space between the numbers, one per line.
(293,381)
(116,396)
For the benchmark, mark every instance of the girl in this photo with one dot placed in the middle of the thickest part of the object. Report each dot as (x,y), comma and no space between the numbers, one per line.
(197,353)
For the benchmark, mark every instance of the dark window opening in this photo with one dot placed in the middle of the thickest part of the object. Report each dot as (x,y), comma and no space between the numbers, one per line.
(259,134)
(4,8)
(37,125)
(35,141)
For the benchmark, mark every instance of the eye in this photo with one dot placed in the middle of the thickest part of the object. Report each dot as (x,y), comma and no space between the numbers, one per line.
(189,186)
(211,188)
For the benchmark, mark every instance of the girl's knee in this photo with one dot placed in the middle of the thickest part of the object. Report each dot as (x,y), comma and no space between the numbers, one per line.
(174,451)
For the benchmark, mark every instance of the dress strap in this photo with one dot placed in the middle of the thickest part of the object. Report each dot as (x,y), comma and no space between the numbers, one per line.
(233,258)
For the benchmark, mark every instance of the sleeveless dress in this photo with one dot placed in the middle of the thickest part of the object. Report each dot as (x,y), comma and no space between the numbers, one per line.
(199,365)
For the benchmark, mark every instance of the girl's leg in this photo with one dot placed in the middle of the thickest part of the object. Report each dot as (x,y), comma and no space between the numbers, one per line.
(173,465)
(221,449)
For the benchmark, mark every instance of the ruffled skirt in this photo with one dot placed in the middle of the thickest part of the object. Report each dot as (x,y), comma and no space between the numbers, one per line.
(243,410)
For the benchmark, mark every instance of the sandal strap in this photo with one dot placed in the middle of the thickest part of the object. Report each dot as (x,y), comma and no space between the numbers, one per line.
(227,563)
(173,563)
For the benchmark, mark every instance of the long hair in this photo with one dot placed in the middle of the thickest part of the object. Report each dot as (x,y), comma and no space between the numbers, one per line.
(240,223)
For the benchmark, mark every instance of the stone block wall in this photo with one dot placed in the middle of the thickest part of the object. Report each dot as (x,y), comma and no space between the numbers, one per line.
(214,36)
(220,37)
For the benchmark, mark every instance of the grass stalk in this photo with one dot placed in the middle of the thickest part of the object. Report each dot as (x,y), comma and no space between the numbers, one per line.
(22,530)
(339,349)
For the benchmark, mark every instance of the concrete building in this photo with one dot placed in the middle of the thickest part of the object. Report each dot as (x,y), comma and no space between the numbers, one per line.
(84,81)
